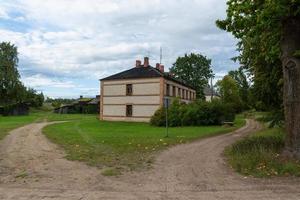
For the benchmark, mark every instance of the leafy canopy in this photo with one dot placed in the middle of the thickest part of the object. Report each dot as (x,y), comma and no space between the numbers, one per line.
(243,85)
(195,70)
(257,26)
(12,91)
(229,92)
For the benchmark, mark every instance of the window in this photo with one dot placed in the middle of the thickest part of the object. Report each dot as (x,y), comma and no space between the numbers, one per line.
(179,92)
(187,95)
(168,90)
(174,91)
(183,93)
(128,110)
(128,89)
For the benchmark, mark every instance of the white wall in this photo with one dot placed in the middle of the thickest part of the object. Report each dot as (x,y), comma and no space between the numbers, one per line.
(145,99)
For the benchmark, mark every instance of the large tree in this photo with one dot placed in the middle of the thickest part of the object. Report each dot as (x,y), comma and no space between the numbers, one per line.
(242,81)
(229,91)
(12,91)
(195,70)
(9,75)
(268,32)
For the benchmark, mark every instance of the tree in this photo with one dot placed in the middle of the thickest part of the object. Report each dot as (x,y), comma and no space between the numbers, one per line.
(12,91)
(269,45)
(243,85)
(9,75)
(195,70)
(229,92)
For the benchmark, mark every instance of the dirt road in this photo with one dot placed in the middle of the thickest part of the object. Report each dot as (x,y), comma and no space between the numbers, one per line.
(33,168)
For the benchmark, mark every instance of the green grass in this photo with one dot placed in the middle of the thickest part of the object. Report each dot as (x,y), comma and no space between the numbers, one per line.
(12,122)
(122,145)
(111,171)
(259,155)
(9,123)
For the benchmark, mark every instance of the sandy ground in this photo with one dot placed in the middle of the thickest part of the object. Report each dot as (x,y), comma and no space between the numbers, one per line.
(33,168)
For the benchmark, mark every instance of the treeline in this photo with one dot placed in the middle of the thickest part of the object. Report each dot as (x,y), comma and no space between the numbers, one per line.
(15,97)
(235,93)
(56,103)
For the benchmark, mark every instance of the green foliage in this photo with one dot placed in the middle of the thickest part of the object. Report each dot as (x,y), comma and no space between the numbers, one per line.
(297,54)
(159,117)
(59,101)
(229,91)
(112,171)
(243,86)
(274,118)
(194,114)
(258,155)
(13,93)
(176,113)
(257,26)
(9,75)
(195,70)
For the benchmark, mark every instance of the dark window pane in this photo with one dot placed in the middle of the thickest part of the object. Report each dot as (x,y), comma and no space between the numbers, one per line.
(128,110)
(168,90)
(129,89)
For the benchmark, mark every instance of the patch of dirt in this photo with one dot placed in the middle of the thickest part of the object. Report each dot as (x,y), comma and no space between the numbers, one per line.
(31,167)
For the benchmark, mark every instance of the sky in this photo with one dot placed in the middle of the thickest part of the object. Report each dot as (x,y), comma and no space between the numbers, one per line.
(66,46)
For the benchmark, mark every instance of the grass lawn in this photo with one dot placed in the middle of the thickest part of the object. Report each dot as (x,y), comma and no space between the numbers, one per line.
(12,122)
(258,155)
(118,146)
(9,123)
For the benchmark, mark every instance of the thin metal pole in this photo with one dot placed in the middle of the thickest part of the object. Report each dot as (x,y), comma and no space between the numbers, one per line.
(160,55)
(167,128)
(212,89)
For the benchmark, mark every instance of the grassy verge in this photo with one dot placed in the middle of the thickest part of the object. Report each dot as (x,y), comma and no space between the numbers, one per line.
(258,155)
(9,123)
(12,122)
(119,146)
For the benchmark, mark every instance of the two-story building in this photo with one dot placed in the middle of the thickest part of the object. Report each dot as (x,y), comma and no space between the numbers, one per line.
(135,94)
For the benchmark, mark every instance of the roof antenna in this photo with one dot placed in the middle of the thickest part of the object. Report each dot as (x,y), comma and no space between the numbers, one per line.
(160,55)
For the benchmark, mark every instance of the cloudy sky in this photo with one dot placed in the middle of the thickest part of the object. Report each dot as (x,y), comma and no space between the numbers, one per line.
(66,46)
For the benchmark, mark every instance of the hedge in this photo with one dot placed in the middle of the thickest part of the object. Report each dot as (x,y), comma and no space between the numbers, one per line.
(194,114)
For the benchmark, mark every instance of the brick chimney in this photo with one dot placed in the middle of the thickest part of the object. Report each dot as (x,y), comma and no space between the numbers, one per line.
(162,68)
(146,61)
(138,63)
(157,66)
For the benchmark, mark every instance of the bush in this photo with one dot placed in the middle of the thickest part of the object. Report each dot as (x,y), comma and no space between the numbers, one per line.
(194,114)
(159,118)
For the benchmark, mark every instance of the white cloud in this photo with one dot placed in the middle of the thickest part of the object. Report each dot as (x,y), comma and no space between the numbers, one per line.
(3,13)
(96,38)
(39,81)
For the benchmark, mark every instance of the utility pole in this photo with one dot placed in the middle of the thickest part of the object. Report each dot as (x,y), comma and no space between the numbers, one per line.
(212,88)
(160,55)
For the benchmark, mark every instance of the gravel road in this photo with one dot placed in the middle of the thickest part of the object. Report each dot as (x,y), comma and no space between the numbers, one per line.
(31,167)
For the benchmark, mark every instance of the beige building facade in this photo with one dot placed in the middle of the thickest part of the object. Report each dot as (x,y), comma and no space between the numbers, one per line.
(135,94)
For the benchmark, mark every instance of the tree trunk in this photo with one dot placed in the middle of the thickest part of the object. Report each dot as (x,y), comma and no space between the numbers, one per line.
(290,43)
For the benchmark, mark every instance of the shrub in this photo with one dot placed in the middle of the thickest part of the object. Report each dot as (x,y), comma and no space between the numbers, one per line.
(194,114)
(159,118)
(175,113)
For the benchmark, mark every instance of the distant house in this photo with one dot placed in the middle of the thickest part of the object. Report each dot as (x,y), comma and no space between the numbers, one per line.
(81,106)
(210,94)
(135,94)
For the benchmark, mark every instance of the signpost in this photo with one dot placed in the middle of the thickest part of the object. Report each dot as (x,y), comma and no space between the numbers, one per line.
(166,106)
